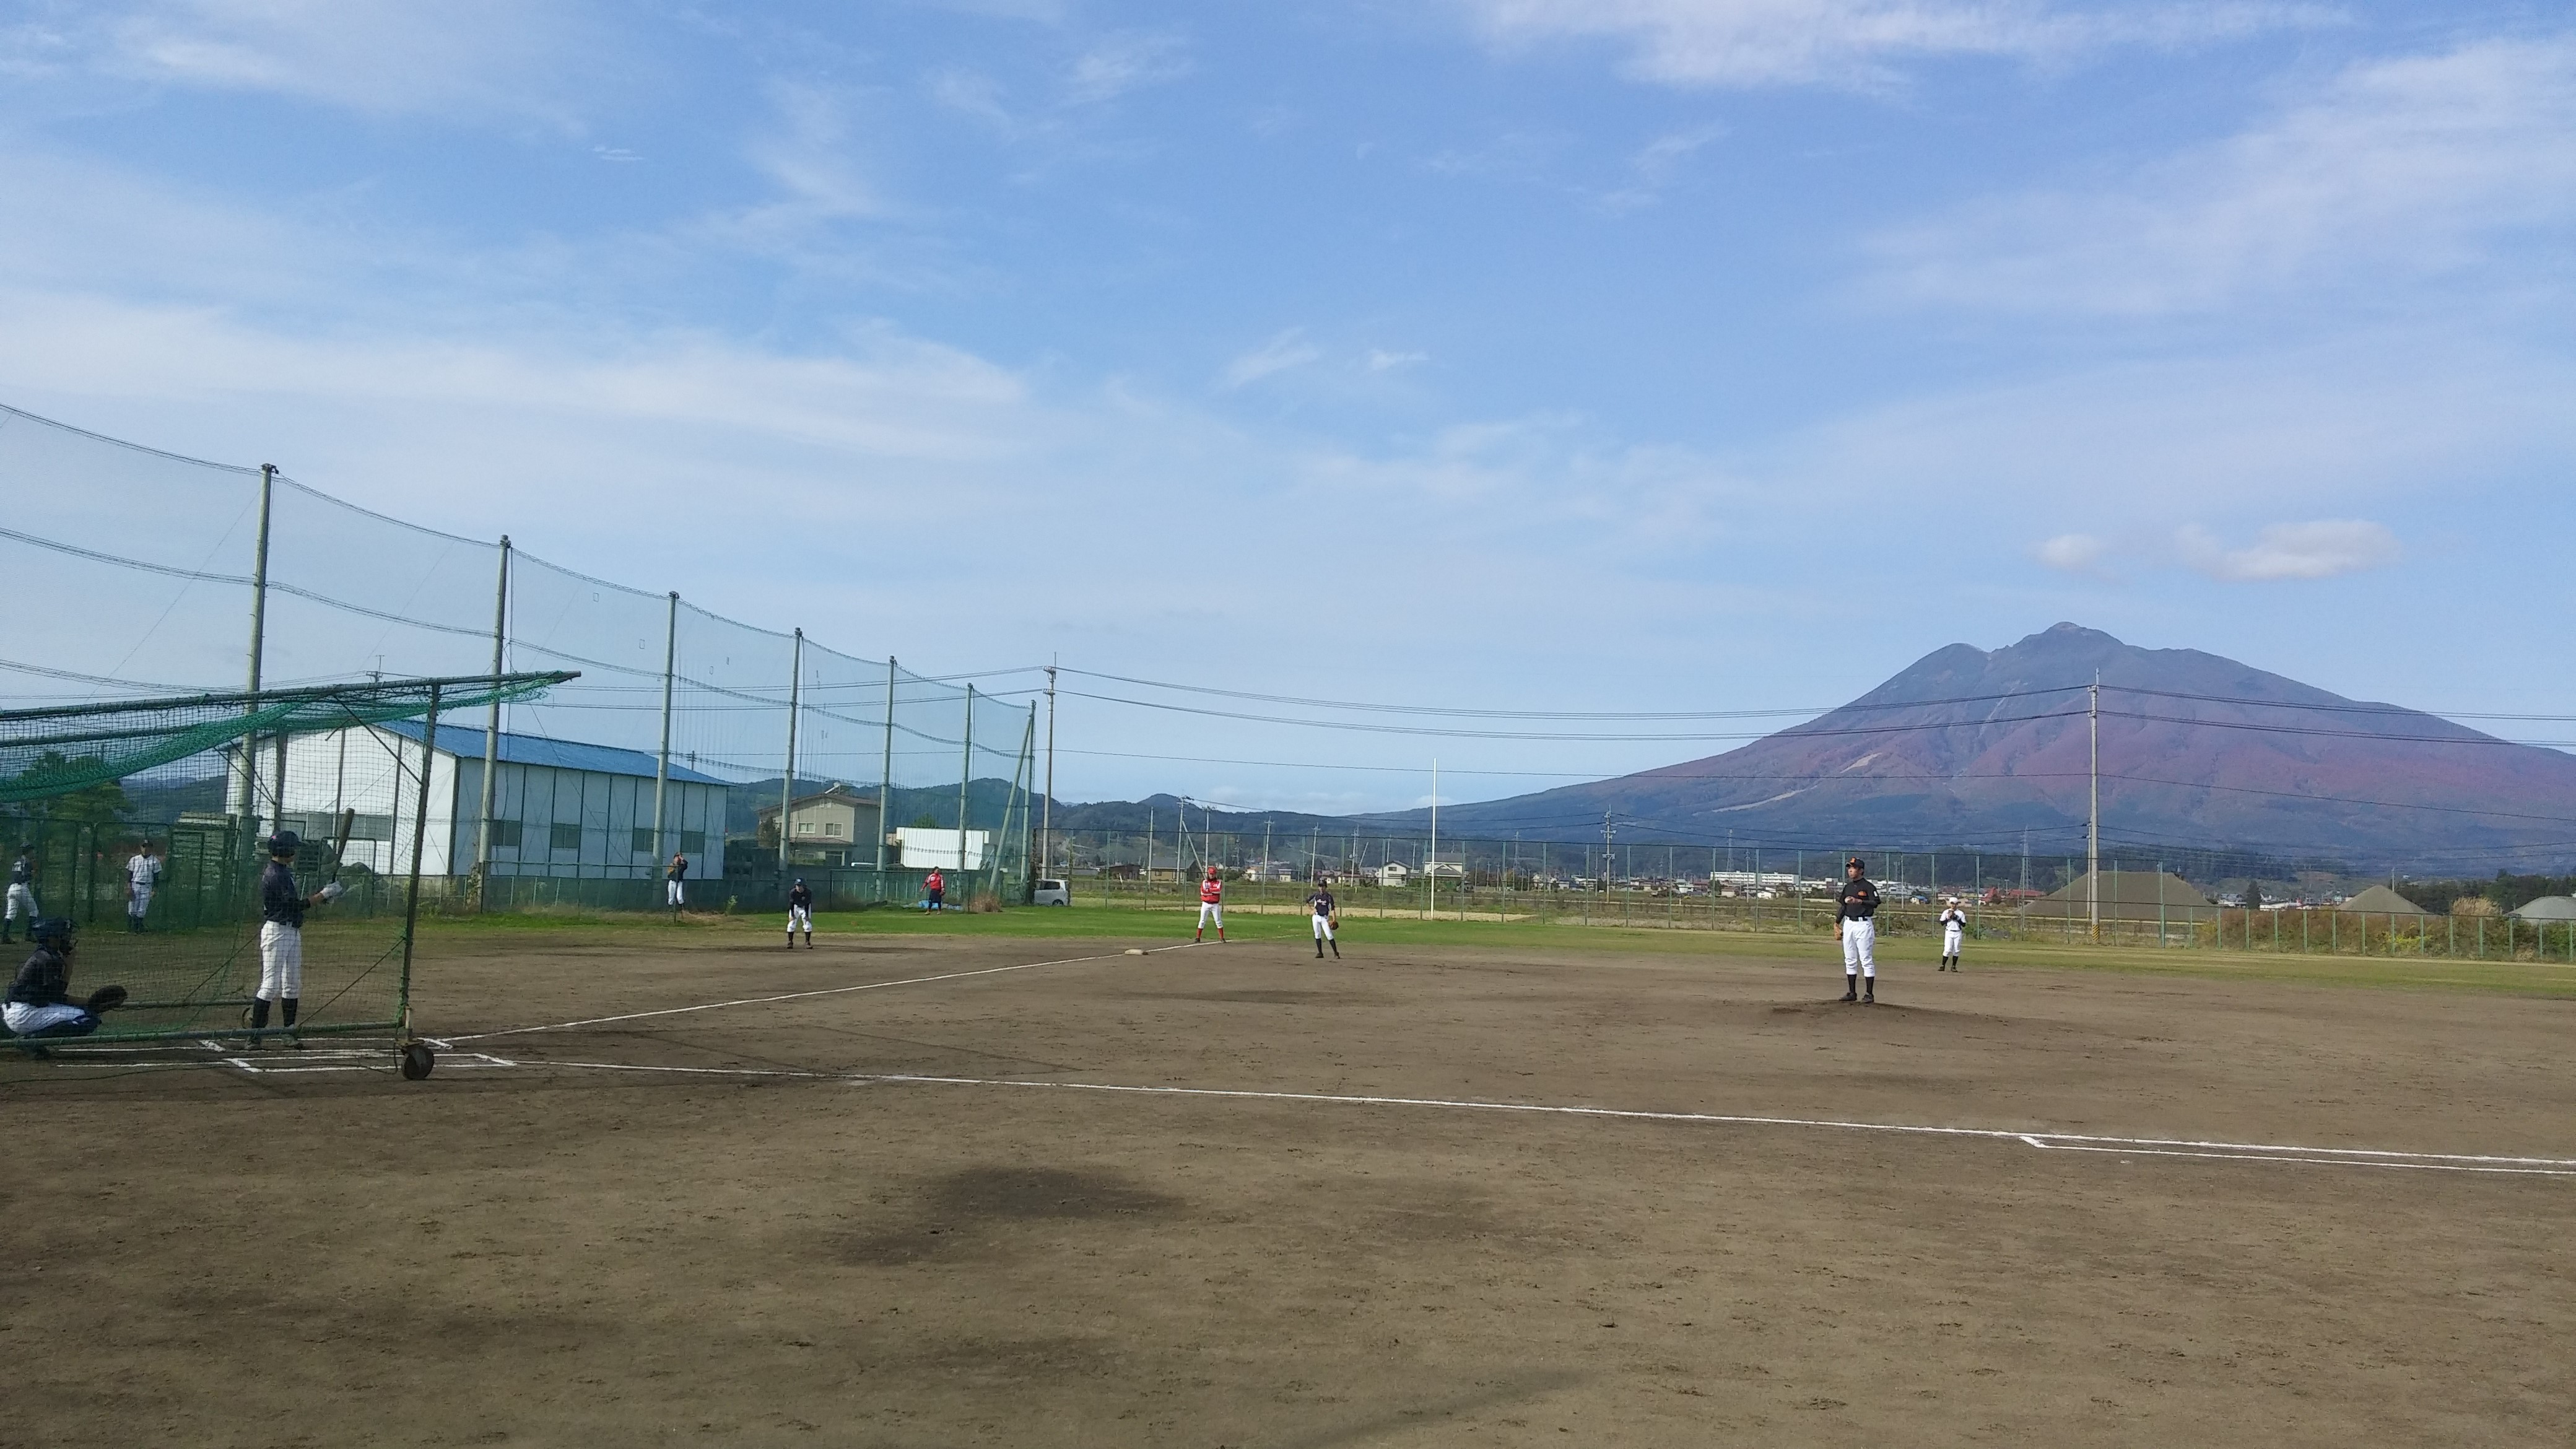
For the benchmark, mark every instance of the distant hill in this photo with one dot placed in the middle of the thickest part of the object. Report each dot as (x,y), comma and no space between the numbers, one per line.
(2203,763)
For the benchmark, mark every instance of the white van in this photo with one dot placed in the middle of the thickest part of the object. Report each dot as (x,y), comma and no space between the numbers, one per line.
(1052,893)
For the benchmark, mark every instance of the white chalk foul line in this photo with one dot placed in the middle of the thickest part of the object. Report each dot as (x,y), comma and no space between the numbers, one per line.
(799,995)
(2272,1152)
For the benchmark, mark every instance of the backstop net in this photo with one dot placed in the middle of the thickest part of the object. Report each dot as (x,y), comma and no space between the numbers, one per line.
(143,821)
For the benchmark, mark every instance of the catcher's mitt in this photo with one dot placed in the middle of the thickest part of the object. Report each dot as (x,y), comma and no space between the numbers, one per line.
(106,998)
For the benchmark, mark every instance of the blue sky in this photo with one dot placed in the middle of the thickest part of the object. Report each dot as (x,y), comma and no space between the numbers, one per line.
(1531,354)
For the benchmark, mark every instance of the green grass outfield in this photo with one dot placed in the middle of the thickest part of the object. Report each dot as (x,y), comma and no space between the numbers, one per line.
(1131,925)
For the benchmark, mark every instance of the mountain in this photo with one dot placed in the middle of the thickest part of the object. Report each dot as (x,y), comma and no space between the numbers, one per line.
(1971,747)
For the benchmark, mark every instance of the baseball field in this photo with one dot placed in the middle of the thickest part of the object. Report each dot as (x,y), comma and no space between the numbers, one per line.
(1000,1180)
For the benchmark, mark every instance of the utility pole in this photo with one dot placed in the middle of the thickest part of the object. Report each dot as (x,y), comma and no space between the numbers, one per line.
(1608,834)
(662,759)
(787,781)
(885,782)
(965,773)
(246,782)
(1046,808)
(492,730)
(1434,862)
(2093,825)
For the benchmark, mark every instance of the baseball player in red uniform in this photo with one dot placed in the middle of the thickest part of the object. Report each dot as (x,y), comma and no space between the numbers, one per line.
(1211,907)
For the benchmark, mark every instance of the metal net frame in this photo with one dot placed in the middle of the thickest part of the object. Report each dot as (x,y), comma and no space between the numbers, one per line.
(143,823)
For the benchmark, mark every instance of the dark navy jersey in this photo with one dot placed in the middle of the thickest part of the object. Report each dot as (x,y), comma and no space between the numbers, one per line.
(44,980)
(1859,901)
(801,896)
(22,871)
(1321,902)
(279,900)
(678,869)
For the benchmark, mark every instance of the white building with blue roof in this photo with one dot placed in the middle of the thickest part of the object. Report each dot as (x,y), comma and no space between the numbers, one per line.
(560,808)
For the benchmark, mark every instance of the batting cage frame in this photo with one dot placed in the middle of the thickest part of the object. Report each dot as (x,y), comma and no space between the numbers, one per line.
(64,776)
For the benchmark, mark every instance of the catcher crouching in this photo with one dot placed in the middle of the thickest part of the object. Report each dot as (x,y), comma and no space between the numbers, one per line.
(40,1001)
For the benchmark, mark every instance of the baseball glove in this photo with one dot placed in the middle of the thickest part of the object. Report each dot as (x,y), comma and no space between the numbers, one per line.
(106,998)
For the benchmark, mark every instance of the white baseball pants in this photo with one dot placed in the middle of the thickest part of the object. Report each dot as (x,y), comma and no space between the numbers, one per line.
(678,892)
(796,917)
(1323,928)
(1211,912)
(25,1020)
(1860,948)
(281,961)
(140,902)
(1950,941)
(22,900)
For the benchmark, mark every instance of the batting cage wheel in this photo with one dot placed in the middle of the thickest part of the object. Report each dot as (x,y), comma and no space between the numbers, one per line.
(417,1060)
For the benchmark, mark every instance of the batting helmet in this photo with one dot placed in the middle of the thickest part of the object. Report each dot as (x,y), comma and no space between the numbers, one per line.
(285,842)
(51,931)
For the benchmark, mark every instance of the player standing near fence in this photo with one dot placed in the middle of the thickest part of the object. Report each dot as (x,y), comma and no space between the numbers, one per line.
(1211,907)
(1327,919)
(142,873)
(1954,925)
(1856,926)
(676,877)
(800,912)
(281,932)
(934,887)
(22,896)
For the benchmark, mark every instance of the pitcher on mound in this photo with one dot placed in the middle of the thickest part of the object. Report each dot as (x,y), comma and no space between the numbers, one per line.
(1855,925)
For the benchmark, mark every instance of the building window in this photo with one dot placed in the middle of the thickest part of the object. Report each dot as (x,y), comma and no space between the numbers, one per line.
(567,837)
(505,835)
(804,827)
(640,841)
(832,828)
(693,842)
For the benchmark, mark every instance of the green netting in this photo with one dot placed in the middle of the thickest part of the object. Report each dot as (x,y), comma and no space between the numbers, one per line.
(45,753)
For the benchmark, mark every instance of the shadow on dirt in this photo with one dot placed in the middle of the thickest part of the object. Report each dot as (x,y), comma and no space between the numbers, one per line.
(971,1209)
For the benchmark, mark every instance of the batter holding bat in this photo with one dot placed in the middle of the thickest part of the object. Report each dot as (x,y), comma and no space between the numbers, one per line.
(281,932)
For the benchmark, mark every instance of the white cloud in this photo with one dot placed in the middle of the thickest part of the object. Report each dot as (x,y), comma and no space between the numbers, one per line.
(467,59)
(2321,549)
(1282,353)
(1381,360)
(2074,553)
(1854,42)
(1124,63)
(2395,170)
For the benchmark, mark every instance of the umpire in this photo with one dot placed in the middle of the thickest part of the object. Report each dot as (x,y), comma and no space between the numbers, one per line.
(1856,926)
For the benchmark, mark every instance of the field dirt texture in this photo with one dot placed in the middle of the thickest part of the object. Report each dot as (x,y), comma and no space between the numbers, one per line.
(562,1238)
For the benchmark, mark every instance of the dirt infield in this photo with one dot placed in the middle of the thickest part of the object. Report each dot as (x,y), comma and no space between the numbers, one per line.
(904,1216)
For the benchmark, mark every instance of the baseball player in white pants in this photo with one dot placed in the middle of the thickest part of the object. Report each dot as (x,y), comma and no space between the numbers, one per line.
(142,873)
(1954,926)
(1211,907)
(1321,903)
(1856,926)
(22,894)
(800,913)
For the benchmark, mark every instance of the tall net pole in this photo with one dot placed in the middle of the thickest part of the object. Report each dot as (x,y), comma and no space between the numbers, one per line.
(419,840)
(787,779)
(246,784)
(492,733)
(965,773)
(662,757)
(885,782)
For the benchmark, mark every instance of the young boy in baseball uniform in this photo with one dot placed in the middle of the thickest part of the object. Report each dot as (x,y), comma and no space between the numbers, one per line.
(1856,926)
(281,932)
(22,895)
(1954,926)
(142,873)
(1211,907)
(800,912)
(1321,903)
